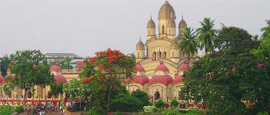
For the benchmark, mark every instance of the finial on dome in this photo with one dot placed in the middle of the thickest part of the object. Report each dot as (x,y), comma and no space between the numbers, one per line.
(182,15)
(54,63)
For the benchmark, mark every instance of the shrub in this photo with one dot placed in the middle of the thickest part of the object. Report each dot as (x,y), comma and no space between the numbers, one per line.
(149,109)
(95,111)
(19,109)
(160,103)
(117,113)
(6,110)
(174,103)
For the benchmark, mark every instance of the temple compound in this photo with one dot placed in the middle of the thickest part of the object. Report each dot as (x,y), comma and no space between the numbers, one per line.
(160,64)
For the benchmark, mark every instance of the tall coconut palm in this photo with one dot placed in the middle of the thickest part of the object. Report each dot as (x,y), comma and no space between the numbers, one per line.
(266,30)
(188,46)
(188,43)
(206,34)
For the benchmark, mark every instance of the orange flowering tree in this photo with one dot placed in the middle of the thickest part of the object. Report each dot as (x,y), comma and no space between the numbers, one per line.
(105,73)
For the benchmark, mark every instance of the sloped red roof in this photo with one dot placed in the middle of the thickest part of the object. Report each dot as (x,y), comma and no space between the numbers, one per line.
(60,78)
(79,63)
(139,67)
(184,67)
(55,68)
(139,79)
(161,67)
(178,79)
(164,79)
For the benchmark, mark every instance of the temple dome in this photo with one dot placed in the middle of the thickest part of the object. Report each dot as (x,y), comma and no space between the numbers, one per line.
(139,79)
(182,24)
(164,79)
(184,67)
(161,67)
(178,79)
(60,78)
(139,67)
(55,68)
(171,24)
(151,24)
(140,45)
(166,11)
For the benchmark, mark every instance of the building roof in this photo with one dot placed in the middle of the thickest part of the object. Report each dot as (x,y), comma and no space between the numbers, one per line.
(161,67)
(151,24)
(61,55)
(171,24)
(60,78)
(164,79)
(184,67)
(55,68)
(166,11)
(182,24)
(140,45)
(139,67)
(139,79)
(178,79)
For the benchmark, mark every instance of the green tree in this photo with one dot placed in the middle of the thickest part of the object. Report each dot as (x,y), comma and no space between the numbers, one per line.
(266,30)
(226,77)
(4,63)
(141,96)
(30,68)
(188,43)
(57,89)
(206,34)
(63,63)
(108,67)
(174,103)
(160,103)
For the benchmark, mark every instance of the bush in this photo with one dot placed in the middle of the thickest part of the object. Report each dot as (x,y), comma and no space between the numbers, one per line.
(6,110)
(117,113)
(160,103)
(19,109)
(174,103)
(95,111)
(149,109)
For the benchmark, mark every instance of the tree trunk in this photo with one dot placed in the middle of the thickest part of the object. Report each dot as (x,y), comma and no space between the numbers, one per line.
(109,95)
(109,98)
(188,70)
(24,98)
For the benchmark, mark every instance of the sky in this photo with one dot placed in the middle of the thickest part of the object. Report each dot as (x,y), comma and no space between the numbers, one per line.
(84,27)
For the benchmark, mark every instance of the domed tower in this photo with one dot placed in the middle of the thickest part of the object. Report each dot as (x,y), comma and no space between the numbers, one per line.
(151,27)
(182,26)
(171,29)
(175,53)
(166,14)
(140,50)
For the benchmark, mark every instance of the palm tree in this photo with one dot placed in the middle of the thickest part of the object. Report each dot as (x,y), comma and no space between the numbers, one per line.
(266,30)
(206,34)
(188,43)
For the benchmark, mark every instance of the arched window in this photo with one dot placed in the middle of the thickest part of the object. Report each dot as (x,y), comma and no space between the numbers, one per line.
(163,31)
(154,55)
(165,55)
(159,54)
(172,53)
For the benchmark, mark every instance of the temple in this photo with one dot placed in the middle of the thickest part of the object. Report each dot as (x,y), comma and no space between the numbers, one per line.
(160,63)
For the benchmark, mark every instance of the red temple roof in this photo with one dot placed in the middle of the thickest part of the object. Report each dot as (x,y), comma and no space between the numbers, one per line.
(161,67)
(164,79)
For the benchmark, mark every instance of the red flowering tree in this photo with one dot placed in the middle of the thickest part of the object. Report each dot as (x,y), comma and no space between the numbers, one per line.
(104,72)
